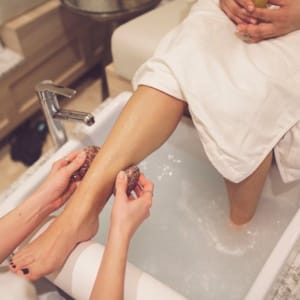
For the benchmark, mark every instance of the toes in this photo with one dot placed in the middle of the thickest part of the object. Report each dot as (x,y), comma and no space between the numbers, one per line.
(12,266)
(23,262)
(23,272)
(29,274)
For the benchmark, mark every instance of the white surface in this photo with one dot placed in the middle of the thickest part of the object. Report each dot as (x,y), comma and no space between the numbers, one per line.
(12,287)
(188,243)
(134,42)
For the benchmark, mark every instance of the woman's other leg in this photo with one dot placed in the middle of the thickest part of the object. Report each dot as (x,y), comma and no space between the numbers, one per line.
(244,196)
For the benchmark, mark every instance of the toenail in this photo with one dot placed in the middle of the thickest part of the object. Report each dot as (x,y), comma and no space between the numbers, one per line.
(25,271)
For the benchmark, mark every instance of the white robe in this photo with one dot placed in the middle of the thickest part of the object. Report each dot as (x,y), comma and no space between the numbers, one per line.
(244,98)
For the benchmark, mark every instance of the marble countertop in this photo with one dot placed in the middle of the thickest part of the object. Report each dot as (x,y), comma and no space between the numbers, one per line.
(287,284)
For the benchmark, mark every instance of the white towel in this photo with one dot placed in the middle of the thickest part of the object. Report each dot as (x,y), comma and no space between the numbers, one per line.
(244,98)
(13,287)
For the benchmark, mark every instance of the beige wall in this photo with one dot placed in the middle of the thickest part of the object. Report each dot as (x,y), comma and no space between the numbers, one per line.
(12,8)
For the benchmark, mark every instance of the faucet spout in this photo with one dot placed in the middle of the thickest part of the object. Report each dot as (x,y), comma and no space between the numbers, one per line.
(74,115)
(47,92)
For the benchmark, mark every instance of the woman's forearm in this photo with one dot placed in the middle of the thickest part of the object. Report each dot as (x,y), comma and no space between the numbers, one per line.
(127,214)
(18,224)
(109,283)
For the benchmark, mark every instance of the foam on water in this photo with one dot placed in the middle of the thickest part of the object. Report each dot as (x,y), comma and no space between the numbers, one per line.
(188,242)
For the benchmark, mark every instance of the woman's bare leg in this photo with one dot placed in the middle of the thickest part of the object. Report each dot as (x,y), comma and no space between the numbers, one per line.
(146,122)
(244,196)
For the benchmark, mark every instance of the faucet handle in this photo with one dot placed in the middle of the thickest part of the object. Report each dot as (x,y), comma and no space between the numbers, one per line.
(50,86)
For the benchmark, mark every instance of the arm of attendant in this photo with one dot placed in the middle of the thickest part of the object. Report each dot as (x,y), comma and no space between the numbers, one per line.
(16,225)
(127,215)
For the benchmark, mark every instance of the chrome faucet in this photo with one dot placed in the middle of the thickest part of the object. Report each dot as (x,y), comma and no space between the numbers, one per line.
(47,92)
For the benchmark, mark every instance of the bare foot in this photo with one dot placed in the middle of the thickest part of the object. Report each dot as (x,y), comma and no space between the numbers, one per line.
(52,193)
(50,250)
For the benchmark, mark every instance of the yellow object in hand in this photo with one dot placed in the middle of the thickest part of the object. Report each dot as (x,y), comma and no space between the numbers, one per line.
(260,3)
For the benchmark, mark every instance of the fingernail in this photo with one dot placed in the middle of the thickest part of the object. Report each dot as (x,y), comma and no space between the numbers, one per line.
(250,7)
(239,31)
(81,154)
(25,271)
(121,175)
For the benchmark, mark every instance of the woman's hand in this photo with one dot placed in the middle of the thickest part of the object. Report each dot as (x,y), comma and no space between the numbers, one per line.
(16,225)
(239,11)
(57,187)
(128,213)
(273,22)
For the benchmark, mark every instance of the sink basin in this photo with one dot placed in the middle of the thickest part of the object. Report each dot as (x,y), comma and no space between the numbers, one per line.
(187,249)
(87,256)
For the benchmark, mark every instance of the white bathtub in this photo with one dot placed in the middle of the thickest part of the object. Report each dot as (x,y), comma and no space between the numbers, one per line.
(187,248)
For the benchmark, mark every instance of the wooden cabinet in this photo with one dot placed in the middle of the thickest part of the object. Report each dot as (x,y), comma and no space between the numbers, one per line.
(54,44)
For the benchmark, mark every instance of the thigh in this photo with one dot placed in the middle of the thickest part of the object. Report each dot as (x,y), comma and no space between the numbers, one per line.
(244,196)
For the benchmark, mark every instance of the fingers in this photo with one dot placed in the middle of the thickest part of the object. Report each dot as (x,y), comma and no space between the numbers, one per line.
(129,212)
(76,163)
(277,2)
(247,4)
(265,14)
(71,156)
(69,192)
(65,161)
(145,191)
(121,184)
(258,32)
(145,183)
(230,14)
(237,12)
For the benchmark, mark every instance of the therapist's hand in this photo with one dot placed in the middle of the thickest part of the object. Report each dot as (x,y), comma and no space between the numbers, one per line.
(239,11)
(273,22)
(58,187)
(129,212)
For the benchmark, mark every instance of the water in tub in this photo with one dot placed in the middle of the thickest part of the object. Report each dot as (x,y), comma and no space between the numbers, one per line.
(188,242)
